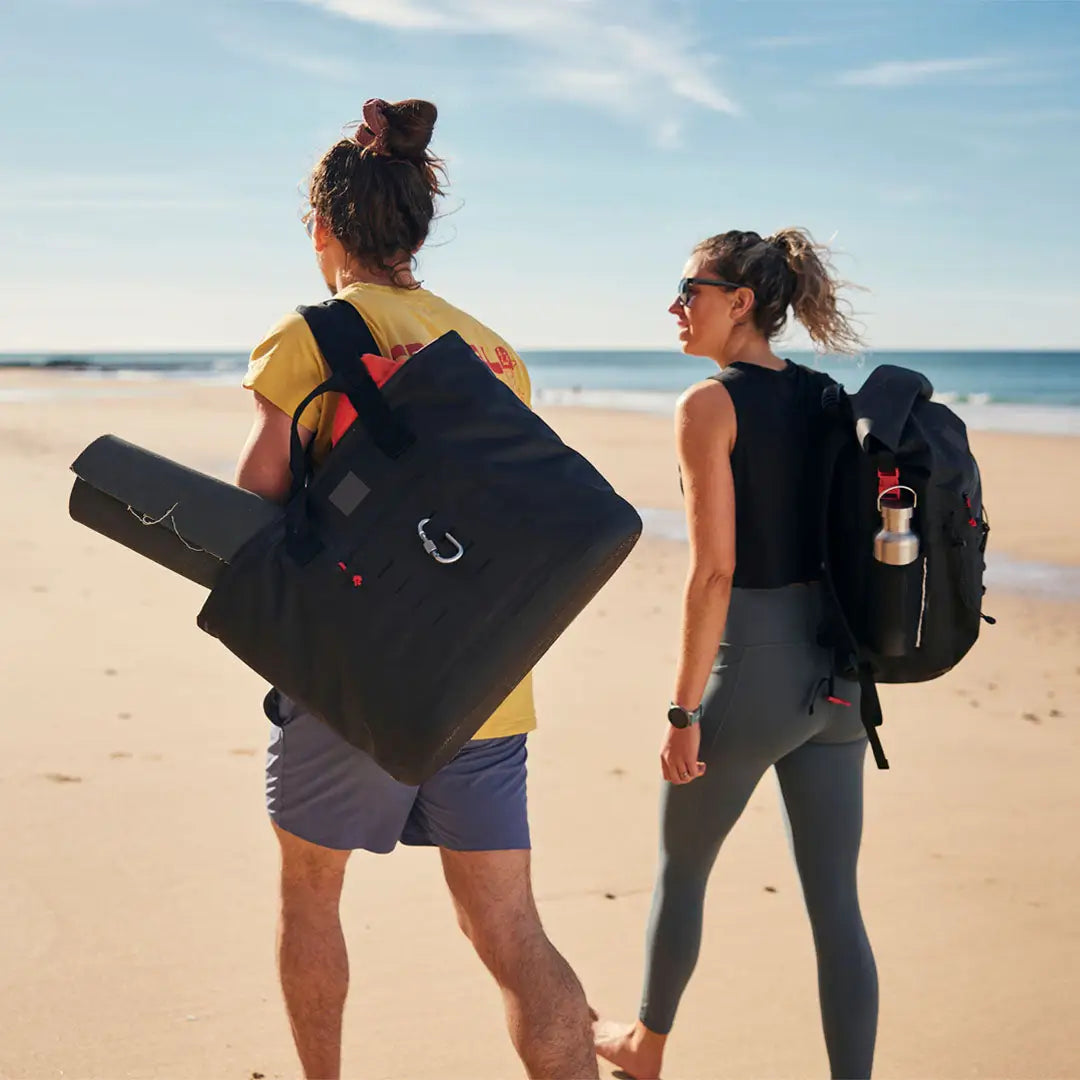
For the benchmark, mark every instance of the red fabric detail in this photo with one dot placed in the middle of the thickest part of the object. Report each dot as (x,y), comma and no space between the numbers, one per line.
(381,369)
(833,700)
(357,581)
(886,480)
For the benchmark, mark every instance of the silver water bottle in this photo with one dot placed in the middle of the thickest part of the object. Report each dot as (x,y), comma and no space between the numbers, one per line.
(896,544)
(895,583)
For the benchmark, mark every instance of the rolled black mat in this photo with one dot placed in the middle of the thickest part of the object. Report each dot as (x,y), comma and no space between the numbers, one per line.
(160,543)
(181,518)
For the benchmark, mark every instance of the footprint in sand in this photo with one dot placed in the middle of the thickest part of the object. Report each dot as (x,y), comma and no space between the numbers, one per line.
(1032,718)
(1055,713)
(111,671)
(62,778)
(244,752)
(117,754)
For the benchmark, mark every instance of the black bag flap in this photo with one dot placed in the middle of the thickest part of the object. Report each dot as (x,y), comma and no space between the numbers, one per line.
(882,404)
(206,512)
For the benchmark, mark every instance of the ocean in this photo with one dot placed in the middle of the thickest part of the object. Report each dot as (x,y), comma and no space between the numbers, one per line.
(1037,391)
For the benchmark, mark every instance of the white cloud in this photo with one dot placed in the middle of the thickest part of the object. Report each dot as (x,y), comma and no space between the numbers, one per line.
(912,72)
(621,57)
(400,14)
(316,66)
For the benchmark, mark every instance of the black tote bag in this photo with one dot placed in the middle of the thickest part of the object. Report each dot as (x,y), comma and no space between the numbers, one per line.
(424,568)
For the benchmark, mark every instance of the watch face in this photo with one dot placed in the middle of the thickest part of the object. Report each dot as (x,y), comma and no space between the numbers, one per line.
(677,717)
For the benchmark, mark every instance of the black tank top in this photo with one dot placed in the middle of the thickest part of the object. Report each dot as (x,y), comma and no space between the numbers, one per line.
(776,464)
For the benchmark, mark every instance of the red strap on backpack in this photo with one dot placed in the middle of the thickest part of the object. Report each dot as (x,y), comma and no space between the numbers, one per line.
(886,480)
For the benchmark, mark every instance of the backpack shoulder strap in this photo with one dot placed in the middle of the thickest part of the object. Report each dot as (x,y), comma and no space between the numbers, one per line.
(839,433)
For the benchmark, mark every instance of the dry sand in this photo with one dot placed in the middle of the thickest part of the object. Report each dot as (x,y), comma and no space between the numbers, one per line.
(137,891)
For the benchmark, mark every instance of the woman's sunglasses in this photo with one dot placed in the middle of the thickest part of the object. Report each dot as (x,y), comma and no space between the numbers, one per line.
(309,222)
(687,283)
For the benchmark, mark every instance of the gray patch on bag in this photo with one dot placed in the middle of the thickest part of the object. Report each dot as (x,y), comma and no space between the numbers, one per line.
(349,493)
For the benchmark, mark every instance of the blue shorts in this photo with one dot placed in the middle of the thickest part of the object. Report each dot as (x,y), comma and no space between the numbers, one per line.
(326,791)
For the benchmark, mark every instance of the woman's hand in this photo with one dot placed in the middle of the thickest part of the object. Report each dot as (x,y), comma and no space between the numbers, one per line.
(679,755)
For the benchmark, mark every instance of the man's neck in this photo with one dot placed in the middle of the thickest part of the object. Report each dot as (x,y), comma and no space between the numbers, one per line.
(361,275)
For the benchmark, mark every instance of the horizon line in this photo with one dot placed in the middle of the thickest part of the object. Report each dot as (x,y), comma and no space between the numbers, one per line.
(202,350)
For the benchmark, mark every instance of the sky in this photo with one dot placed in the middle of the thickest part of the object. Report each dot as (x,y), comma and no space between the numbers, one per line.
(154,153)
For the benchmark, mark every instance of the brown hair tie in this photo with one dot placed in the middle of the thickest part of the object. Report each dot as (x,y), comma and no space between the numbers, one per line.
(374,125)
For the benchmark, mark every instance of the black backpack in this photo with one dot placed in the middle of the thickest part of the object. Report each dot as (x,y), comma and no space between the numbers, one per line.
(899,624)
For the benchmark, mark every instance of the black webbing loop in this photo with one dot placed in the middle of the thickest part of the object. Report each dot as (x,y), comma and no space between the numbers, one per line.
(298,456)
(870,708)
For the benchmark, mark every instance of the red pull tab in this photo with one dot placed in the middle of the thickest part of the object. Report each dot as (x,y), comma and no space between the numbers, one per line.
(886,480)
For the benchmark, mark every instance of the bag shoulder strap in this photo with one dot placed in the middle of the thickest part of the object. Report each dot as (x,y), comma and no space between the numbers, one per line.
(340,332)
(836,406)
(343,338)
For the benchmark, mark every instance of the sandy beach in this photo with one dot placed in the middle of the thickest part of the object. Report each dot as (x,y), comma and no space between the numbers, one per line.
(138,892)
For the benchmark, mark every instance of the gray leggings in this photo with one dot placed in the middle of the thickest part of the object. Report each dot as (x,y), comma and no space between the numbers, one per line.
(766,706)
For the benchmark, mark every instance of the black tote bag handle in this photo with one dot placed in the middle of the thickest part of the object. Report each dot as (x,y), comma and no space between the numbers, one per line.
(343,338)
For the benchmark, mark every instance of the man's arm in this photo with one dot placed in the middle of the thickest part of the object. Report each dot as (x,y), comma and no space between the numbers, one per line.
(264,462)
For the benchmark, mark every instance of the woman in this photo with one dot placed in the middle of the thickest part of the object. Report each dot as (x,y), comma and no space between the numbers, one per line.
(747,444)
(372,203)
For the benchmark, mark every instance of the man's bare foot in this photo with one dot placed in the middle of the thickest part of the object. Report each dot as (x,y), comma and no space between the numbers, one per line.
(636,1050)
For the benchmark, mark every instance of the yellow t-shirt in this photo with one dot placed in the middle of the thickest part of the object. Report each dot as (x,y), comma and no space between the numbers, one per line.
(287,365)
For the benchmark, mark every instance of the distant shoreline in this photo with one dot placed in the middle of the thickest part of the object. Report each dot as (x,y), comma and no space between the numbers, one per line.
(1035,392)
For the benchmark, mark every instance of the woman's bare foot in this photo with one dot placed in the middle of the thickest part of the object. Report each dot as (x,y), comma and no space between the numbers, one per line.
(636,1050)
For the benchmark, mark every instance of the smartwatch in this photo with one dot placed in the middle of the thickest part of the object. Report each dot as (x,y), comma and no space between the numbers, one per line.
(682,718)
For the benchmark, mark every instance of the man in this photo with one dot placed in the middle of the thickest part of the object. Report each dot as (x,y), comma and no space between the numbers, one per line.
(372,201)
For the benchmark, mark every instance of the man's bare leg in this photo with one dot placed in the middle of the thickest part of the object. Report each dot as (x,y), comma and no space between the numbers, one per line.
(546,1011)
(312,961)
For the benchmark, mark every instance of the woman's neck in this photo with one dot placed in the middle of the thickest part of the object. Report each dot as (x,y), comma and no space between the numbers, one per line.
(750,350)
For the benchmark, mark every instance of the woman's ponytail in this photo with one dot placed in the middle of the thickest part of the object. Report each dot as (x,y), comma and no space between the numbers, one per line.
(815,301)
